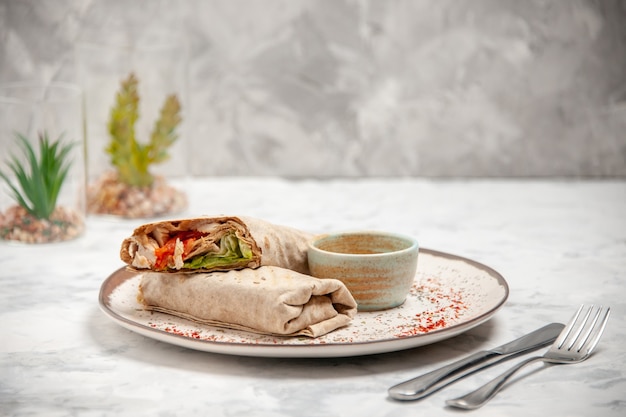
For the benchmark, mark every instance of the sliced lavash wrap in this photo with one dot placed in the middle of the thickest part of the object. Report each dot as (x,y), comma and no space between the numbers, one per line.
(268,300)
(222,243)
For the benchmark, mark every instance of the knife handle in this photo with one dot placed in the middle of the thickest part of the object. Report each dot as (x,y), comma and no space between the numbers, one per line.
(422,385)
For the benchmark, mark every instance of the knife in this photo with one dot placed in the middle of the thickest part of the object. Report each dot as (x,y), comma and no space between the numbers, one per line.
(426,384)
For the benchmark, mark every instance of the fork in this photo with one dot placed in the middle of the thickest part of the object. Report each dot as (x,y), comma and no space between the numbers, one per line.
(574,345)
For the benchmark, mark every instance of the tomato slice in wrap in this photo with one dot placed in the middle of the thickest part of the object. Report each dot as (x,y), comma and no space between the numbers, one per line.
(165,254)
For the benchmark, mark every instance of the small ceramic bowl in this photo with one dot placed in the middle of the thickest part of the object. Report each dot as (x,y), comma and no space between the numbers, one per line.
(377,267)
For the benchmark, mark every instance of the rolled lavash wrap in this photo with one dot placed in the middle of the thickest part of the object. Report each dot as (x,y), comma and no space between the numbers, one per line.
(267,300)
(223,243)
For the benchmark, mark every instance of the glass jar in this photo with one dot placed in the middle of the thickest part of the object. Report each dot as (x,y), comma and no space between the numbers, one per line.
(43,181)
(158,67)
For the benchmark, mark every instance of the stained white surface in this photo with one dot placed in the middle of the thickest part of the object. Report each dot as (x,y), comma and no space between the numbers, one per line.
(558,244)
(357,87)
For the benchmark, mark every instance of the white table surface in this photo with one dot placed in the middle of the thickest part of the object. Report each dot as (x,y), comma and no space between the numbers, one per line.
(557,243)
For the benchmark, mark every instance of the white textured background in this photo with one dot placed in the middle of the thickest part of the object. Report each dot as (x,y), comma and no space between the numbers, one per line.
(366,88)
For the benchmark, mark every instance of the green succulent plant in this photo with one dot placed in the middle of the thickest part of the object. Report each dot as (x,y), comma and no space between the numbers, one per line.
(131,158)
(40,178)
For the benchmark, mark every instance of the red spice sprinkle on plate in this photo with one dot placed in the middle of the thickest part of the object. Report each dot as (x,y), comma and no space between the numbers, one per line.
(444,307)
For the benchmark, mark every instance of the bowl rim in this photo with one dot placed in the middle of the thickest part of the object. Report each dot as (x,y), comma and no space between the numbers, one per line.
(414,244)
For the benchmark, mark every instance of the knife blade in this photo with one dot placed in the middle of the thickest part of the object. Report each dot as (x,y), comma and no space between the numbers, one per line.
(430,382)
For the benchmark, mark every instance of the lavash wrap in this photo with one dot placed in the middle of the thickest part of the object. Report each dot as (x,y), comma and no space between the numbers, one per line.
(271,244)
(268,300)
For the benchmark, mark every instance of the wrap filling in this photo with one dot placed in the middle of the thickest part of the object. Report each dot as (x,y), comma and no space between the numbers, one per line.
(192,249)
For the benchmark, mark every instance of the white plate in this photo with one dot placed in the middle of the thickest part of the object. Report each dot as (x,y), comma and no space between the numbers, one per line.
(450,295)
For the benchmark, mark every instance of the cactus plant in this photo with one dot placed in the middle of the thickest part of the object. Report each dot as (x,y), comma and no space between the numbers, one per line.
(132,159)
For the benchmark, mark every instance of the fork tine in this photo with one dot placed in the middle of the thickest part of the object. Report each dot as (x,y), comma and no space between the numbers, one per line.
(584,325)
(589,326)
(571,325)
(596,331)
